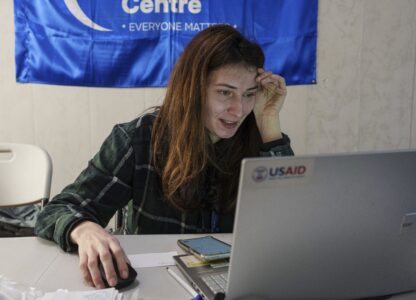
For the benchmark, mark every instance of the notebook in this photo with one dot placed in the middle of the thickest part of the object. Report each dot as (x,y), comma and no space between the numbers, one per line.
(321,227)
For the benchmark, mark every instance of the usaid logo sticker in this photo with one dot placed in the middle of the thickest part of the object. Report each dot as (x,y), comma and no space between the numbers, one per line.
(261,173)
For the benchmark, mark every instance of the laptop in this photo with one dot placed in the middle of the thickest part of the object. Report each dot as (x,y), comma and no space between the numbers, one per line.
(320,227)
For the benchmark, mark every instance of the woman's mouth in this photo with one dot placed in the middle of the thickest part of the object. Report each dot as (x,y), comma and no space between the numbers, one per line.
(229,124)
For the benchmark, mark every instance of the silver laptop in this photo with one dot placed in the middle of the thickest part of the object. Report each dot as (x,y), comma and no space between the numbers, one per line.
(322,227)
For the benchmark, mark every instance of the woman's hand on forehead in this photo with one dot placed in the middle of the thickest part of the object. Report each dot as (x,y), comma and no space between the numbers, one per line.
(271,93)
(269,102)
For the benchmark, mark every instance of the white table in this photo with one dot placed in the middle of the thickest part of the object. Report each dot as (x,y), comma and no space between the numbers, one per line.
(42,264)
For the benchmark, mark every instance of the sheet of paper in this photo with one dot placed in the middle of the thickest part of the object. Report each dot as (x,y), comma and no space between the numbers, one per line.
(148,260)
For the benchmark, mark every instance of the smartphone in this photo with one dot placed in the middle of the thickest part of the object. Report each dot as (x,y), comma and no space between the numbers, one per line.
(206,248)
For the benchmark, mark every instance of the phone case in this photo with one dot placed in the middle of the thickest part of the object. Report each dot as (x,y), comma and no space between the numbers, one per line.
(207,258)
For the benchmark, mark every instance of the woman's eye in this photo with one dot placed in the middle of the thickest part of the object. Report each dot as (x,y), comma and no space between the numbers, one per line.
(250,95)
(224,93)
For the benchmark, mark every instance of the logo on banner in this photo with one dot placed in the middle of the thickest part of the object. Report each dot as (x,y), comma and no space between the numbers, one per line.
(261,174)
(131,7)
(79,14)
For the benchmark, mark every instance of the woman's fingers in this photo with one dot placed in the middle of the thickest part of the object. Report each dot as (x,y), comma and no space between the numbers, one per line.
(107,263)
(121,260)
(95,272)
(83,265)
(271,82)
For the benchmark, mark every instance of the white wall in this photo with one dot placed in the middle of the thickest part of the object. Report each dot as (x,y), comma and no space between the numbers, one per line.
(364,99)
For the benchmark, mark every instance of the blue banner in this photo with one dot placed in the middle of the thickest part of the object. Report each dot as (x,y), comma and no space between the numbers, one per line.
(135,43)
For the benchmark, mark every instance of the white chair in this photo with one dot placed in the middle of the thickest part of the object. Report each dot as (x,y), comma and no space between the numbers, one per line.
(25,175)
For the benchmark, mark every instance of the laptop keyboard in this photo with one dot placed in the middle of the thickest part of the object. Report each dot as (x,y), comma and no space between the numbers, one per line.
(216,282)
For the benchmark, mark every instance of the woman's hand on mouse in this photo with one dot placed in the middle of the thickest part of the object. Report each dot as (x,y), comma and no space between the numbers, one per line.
(96,245)
(269,102)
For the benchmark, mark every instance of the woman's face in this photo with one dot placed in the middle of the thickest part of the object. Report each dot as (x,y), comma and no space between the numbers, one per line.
(231,95)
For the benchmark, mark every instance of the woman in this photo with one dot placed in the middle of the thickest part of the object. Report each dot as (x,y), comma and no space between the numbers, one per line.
(179,164)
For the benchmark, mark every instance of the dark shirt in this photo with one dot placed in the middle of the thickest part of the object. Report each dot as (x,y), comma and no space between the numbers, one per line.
(121,171)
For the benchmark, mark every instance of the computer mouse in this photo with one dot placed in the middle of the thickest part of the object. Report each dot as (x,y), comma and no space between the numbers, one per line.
(121,282)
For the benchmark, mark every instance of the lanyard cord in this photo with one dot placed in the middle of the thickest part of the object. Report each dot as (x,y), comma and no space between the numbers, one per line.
(214,221)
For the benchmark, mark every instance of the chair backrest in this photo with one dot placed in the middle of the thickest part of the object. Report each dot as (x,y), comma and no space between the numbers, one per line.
(25,174)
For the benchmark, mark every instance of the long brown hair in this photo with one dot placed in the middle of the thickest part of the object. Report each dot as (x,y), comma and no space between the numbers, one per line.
(182,149)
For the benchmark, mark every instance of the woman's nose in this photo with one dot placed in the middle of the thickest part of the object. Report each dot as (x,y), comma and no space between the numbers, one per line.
(236,107)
